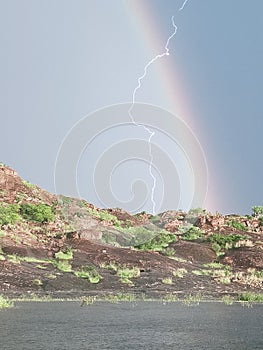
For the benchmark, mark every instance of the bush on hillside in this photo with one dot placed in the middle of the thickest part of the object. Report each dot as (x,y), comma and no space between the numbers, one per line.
(37,212)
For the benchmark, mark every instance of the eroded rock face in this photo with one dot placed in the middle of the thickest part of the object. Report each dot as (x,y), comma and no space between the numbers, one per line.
(94,234)
(15,190)
(216,221)
(173,226)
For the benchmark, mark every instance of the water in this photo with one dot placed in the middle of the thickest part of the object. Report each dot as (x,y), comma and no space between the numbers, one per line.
(142,325)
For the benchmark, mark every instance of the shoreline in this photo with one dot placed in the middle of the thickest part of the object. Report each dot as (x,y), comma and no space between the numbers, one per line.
(188,298)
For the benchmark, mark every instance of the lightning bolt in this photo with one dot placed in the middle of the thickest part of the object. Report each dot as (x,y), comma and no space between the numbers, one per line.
(182,7)
(139,84)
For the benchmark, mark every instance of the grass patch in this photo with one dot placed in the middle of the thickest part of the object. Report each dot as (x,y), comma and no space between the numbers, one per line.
(111,266)
(169,251)
(223,276)
(220,241)
(167,280)
(169,298)
(33,260)
(180,273)
(89,273)
(41,267)
(62,265)
(64,255)
(228,300)
(15,259)
(192,299)
(111,298)
(37,282)
(251,297)
(225,280)
(252,277)
(5,302)
(103,215)
(126,273)
(115,298)
(178,259)
(28,184)
(214,265)
(88,300)
(197,272)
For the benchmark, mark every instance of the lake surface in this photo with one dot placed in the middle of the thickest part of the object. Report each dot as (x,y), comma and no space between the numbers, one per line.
(140,325)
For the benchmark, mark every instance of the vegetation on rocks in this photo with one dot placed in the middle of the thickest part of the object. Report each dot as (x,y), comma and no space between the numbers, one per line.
(161,240)
(90,273)
(57,244)
(37,212)
(5,302)
(9,214)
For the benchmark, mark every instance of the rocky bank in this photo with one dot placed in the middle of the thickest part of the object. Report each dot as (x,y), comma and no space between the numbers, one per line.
(62,246)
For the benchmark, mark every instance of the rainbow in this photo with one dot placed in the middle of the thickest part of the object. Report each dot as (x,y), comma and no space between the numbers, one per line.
(144,18)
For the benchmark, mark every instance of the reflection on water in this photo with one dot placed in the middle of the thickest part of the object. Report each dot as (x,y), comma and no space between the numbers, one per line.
(141,325)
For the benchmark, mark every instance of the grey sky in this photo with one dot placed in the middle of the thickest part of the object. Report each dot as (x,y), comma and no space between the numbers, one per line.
(65,59)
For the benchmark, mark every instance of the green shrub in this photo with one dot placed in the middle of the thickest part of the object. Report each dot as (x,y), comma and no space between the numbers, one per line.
(237,225)
(217,249)
(191,232)
(197,211)
(103,215)
(251,297)
(37,212)
(89,273)
(138,235)
(160,241)
(227,299)
(169,251)
(62,260)
(125,273)
(62,265)
(257,210)
(9,214)
(66,255)
(155,219)
(225,241)
(28,184)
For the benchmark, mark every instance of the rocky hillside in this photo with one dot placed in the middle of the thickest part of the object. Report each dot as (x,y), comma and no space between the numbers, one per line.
(63,246)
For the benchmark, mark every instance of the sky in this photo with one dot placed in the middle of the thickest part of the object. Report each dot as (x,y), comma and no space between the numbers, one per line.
(192,137)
